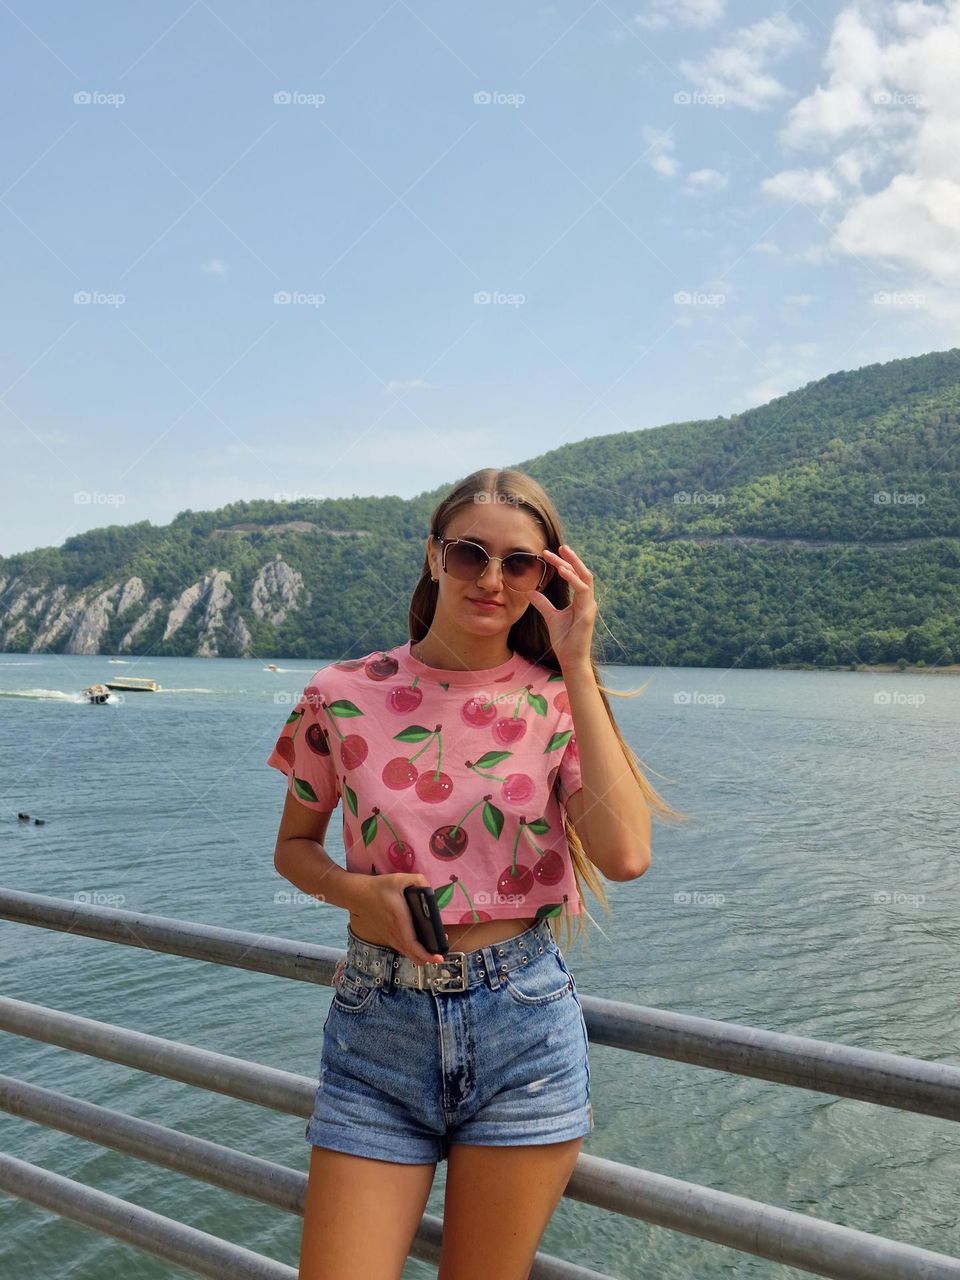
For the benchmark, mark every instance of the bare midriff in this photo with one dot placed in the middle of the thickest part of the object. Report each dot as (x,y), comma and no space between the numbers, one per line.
(462,937)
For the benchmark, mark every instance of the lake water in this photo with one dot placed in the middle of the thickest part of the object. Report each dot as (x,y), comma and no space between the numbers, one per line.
(818,894)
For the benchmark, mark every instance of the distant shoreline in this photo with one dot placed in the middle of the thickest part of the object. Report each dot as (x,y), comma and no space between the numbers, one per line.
(887,668)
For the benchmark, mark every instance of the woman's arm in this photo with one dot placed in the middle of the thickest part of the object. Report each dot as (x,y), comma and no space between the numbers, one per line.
(300,857)
(609,814)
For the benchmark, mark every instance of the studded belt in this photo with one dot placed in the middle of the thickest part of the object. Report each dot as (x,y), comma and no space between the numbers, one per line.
(453,972)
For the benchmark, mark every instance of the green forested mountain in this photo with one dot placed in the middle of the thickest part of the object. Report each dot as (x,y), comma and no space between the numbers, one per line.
(821,528)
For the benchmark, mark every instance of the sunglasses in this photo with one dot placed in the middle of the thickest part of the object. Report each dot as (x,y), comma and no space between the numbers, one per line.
(522,570)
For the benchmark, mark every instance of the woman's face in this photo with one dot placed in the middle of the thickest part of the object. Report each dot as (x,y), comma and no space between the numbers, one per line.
(500,527)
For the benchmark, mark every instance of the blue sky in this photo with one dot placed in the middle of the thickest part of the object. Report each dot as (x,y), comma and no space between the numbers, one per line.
(499,228)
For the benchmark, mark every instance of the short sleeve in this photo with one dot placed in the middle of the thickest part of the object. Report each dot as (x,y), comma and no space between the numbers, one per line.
(304,752)
(568,774)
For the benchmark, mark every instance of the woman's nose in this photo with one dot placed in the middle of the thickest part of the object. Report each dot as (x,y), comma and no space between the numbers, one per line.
(492,574)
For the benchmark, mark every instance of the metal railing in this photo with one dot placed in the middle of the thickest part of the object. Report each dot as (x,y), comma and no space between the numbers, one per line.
(794,1239)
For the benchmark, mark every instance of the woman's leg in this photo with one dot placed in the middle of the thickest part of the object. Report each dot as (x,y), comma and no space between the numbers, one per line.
(360,1216)
(498,1201)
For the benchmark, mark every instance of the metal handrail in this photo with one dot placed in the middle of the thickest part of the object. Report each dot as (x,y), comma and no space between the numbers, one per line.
(794,1239)
(869,1075)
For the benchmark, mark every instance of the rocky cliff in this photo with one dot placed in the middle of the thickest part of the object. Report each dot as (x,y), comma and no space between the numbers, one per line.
(49,617)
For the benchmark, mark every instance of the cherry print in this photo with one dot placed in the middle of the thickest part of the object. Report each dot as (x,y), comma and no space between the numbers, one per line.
(516,879)
(515,735)
(518,788)
(561,702)
(318,740)
(448,842)
(353,747)
(551,909)
(433,788)
(478,713)
(400,855)
(353,750)
(444,896)
(549,868)
(313,697)
(404,700)
(382,668)
(508,730)
(399,774)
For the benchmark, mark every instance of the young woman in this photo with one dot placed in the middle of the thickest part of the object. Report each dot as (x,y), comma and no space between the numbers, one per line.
(480,758)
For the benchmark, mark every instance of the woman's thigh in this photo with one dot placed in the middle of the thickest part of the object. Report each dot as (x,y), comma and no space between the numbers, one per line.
(360,1216)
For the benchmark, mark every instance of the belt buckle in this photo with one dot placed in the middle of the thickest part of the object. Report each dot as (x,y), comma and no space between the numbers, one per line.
(439,981)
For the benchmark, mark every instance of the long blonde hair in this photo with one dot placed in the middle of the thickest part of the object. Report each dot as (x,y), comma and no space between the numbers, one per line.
(530,638)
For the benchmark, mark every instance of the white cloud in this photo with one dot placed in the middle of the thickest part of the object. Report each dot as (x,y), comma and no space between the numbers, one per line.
(914,221)
(215,267)
(681,13)
(701,180)
(888,116)
(659,152)
(736,69)
(811,186)
(400,386)
(798,299)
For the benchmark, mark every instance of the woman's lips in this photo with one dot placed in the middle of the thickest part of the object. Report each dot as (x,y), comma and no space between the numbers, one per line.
(490,605)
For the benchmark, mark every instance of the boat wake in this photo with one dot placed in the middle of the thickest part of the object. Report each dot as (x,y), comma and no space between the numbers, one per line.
(165,690)
(58,695)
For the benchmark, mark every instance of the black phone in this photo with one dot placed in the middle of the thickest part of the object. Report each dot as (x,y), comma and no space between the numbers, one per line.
(427,924)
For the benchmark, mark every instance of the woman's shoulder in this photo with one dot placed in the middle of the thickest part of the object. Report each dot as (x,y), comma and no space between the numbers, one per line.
(373,667)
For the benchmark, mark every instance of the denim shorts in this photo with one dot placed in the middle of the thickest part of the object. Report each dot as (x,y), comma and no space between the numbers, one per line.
(404,1073)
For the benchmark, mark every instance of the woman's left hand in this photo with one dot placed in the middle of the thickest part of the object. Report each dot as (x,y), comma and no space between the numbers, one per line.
(571,629)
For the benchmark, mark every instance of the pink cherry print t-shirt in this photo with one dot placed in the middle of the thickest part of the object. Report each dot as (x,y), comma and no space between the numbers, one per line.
(459,775)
